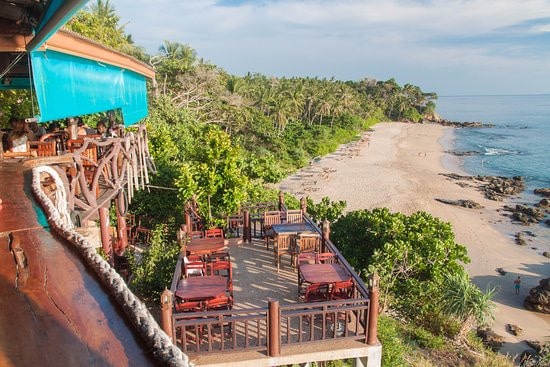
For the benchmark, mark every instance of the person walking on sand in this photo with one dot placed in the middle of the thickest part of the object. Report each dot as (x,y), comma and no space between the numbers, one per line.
(517,283)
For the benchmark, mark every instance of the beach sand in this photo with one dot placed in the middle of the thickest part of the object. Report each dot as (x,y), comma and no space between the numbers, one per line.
(398,166)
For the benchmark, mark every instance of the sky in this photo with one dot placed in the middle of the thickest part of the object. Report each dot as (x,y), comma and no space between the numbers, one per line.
(451,47)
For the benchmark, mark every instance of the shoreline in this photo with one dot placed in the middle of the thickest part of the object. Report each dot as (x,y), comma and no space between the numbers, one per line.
(398,166)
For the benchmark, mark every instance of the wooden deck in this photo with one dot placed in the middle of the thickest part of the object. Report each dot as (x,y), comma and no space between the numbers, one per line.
(256,281)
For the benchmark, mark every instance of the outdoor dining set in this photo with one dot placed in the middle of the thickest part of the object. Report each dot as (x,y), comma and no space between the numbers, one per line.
(207,275)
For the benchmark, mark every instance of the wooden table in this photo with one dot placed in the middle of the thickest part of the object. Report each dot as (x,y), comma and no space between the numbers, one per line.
(201,288)
(205,246)
(323,273)
(293,228)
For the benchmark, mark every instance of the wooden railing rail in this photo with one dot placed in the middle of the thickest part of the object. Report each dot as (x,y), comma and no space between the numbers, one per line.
(249,329)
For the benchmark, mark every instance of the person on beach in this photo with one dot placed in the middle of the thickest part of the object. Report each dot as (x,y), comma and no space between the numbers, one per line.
(517,283)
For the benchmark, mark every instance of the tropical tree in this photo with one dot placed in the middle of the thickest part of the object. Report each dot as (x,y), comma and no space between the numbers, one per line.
(99,22)
(213,176)
(411,254)
(463,300)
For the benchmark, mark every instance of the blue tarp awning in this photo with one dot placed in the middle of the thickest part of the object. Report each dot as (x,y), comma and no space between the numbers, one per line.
(68,85)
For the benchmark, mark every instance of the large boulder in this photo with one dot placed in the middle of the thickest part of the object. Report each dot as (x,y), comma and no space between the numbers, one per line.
(543,192)
(539,297)
(490,338)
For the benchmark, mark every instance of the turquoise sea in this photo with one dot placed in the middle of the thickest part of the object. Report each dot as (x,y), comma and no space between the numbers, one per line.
(517,145)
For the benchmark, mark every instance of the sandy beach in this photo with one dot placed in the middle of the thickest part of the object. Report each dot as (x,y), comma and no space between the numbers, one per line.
(398,166)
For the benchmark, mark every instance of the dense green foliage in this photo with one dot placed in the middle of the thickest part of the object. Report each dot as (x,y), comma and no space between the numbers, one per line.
(413,256)
(325,209)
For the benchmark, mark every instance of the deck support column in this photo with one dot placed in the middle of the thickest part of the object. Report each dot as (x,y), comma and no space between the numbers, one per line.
(281,200)
(274,331)
(247,231)
(372,337)
(105,231)
(122,230)
(303,205)
(325,234)
(166,305)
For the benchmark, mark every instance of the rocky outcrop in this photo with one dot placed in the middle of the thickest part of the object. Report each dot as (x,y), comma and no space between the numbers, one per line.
(543,192)
(466,124)
(470,204)
(498,187)
(494,187)
(514,329)
(490,338)
(462,153)
(539,297)
(524,214)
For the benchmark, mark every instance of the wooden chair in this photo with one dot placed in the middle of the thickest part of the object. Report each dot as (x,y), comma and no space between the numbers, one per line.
(43,148)
(196,234)
(294,216)
(283,244)
(270,218)
(326,258)
(306,243)
(317,292)
(221,303)
(193,266)
(59,138)
(188,306)
(304,258)
(222,268)
(190,332)
(342,290)
(214,233)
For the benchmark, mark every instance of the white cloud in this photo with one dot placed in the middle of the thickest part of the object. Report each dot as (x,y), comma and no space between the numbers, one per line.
(348,39)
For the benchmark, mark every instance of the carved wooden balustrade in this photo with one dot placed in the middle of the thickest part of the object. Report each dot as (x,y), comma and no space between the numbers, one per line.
(107,169)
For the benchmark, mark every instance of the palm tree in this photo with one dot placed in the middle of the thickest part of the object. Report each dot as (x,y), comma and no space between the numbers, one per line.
(463,300)
(103,10)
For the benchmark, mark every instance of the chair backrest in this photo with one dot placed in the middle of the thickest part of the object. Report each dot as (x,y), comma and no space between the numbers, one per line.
(189,306)
(213,233)
(43,148)
(294,216)
(326,258)
(271,218)
(193,267)
(308,243)
(283,242)
(307,258)
(196,234)
(342,290)
(219,303)
(222,268)
(219,256)
(317,292)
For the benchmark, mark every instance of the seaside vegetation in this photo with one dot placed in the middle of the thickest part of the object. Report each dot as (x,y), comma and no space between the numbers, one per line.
(224,140)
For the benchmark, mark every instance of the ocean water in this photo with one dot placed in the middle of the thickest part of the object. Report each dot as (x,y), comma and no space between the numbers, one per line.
(517,145)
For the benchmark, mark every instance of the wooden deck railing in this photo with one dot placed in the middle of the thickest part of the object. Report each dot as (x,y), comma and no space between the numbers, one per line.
(249,329)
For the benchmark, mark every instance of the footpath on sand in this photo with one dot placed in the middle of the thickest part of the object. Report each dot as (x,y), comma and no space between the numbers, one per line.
(398,166)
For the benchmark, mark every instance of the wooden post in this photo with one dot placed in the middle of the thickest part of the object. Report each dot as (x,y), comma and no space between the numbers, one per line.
(372,330)
(188,222)
(281,200)
(166,305)
(247,231)
(274,331)
(122,230)
(303,205)
(104,228)
(325,234)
